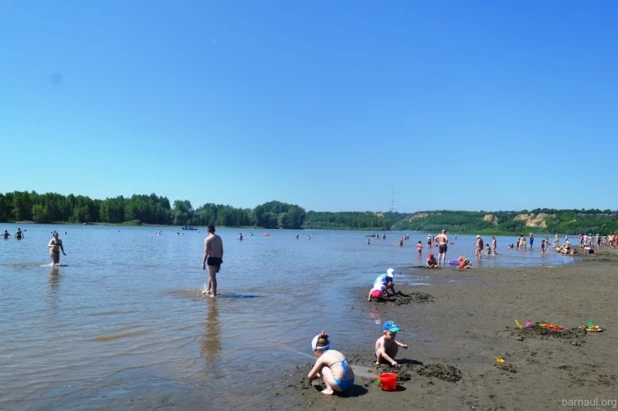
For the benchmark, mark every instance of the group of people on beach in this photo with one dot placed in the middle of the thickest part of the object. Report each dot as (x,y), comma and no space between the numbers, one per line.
(588,240)
(587,243)
(441,240)
(332,366)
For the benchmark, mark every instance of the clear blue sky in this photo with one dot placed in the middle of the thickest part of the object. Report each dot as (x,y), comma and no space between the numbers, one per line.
(493,105)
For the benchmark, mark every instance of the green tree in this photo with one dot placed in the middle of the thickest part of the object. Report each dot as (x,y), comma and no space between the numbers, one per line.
(39,214)
(182,212)
(22,206)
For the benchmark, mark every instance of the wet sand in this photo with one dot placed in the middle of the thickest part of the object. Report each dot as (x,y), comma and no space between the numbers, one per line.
(457,329)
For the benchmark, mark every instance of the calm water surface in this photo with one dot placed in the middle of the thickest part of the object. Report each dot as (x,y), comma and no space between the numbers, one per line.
(124,314)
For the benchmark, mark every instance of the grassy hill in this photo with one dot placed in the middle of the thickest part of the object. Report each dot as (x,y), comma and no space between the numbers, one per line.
(502,222)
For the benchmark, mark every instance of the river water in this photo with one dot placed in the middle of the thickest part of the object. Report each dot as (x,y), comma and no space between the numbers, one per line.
(122,322)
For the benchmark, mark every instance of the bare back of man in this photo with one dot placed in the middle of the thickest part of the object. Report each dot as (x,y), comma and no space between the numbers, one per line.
(213,257)
(442,240)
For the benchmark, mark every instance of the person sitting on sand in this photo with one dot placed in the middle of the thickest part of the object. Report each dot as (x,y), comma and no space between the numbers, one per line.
(331,366)
(387,346)
(378,293)
(464,263)
(432,262)
(567,251)
(386,279)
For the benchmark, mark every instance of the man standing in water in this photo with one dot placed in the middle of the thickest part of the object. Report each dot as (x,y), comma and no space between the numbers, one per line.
(19,234)
(213,256)
(442,240)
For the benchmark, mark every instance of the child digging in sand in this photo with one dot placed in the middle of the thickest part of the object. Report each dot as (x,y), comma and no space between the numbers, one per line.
(331,366)
(464,263)
(431,262)
(386,279)
(378,293)
(387,346)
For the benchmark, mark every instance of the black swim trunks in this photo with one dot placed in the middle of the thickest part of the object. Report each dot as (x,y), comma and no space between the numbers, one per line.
(214,261)
(443,248)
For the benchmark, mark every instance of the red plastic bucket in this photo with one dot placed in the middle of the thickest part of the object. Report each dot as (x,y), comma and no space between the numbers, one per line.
(388,381)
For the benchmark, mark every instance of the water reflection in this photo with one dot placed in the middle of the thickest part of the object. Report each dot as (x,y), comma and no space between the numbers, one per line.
(211,342)
(53,285)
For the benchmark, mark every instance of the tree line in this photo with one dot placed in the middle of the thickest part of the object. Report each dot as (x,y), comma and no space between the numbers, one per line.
(347,220)
(156,210)
(143,209)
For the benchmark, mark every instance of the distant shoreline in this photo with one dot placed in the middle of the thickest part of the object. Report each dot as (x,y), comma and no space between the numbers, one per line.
(540,234)
(130,224)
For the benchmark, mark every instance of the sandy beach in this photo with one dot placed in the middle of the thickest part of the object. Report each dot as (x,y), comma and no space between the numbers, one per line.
(457,329)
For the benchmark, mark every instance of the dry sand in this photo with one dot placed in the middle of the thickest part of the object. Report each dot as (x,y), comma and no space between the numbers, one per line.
(464,326)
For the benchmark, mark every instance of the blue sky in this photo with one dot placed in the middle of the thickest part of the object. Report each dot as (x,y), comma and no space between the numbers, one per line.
(469,105)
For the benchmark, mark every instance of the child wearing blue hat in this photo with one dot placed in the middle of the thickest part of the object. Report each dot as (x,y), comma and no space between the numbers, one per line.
(387,346)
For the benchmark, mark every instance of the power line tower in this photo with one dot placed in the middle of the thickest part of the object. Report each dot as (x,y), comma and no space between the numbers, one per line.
(393,201)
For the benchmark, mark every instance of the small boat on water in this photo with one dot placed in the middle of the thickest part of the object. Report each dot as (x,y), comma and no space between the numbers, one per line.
(188,227)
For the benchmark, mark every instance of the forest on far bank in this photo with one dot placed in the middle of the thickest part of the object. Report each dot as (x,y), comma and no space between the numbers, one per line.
(157,210)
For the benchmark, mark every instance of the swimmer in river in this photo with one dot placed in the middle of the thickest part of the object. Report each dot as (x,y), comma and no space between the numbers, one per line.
(55,246)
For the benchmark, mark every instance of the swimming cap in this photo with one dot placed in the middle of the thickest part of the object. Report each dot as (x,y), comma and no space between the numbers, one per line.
(314,344)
